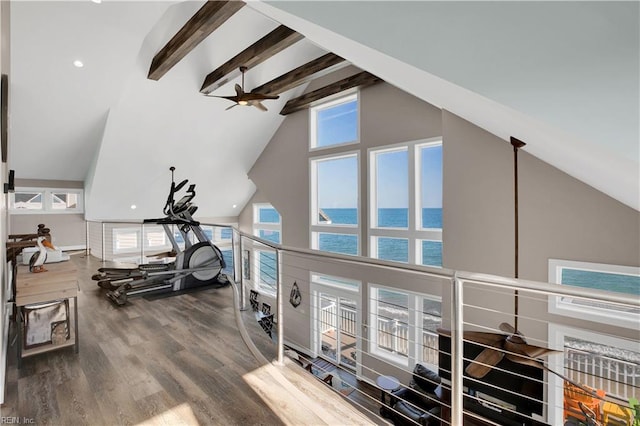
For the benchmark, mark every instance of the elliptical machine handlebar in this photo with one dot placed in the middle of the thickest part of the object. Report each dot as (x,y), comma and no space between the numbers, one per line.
(172,210)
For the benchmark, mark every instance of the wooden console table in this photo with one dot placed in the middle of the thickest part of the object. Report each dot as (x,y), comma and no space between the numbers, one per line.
(60,281)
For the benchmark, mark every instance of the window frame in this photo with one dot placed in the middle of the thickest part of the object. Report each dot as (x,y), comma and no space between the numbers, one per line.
(414,323)
(316,228)
(258,284)
(414,232)
(47,203)
(313,120)
(557,335)
(350,288)
(590,313)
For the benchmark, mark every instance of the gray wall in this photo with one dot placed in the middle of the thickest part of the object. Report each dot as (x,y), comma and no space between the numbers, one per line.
(67,230)
(560,217)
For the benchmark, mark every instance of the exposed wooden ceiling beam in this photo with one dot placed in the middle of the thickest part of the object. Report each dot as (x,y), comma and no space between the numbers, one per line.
(362,79)
(323,65)
(274,42)
(205,21)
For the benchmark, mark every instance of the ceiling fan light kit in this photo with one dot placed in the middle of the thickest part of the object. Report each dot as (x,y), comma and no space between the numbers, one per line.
(243,98)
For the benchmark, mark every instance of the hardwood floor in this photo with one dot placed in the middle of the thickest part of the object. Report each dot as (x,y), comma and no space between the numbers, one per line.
(172,361)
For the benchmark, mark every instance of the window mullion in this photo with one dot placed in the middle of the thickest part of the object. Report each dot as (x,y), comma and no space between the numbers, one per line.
(413,203)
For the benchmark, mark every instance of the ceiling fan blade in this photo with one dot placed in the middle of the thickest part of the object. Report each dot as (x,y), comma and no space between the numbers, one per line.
(507,328)
(524,361)
(229,98)
(228,108)
(484,338)
(239,90)
(526,350)
(484,362)
(259,105)
(491,339)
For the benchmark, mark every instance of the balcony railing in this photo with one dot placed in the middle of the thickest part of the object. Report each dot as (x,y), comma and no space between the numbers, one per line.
(470,302)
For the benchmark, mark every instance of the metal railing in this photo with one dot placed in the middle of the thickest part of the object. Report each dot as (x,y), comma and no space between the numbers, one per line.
(618,378)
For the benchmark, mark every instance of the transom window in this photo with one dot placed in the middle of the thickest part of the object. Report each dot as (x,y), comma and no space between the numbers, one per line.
(405,208)
(615,278)
(334,123)
(46,200)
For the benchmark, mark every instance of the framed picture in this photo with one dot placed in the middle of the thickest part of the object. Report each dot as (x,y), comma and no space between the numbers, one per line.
(246,264)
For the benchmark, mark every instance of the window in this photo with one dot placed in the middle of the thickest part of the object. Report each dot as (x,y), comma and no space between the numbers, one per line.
(619,279)
(403,326)
(27,201)
(405,208)
(126,240)
(266,225)
(600,361)
(334,204)
(334,123)
(46,200)
(132,239)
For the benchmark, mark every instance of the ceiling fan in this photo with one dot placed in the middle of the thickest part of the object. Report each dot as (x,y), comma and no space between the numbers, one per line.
(246,98)
(510,345)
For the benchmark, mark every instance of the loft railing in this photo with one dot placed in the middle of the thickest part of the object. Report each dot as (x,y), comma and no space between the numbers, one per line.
(469,302)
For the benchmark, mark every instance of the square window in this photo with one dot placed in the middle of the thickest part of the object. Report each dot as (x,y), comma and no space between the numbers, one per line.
(431,253)
(336,190)
(27,201)
(335,123)
(338,243)
(396,249)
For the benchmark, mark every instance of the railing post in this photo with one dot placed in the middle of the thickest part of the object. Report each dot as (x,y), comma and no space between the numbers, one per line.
(280,312)
(456,352)
(141,244)
(103,243)
(243,297)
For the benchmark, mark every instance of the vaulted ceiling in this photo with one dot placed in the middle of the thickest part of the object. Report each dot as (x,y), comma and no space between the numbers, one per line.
(109,125)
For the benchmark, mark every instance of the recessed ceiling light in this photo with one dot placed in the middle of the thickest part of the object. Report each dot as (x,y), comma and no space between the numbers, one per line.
(133,206)
(97,1)
(234,206)
(78,63)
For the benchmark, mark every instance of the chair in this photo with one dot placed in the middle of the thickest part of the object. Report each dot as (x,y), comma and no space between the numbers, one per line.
(612,412)
(574,396)
(253,299)
(418,403)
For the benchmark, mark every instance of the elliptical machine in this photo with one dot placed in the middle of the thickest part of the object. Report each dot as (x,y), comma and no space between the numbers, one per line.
(200,264)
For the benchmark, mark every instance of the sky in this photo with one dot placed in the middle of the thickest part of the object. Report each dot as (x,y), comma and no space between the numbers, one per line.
(338,180)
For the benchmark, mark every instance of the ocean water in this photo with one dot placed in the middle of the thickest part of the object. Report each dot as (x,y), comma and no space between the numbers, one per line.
(388,248)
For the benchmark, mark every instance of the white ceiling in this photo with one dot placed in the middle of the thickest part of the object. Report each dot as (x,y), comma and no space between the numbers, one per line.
(546,78)
(107,123)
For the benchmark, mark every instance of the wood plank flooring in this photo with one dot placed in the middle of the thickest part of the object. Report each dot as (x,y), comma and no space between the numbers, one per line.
(173,361)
